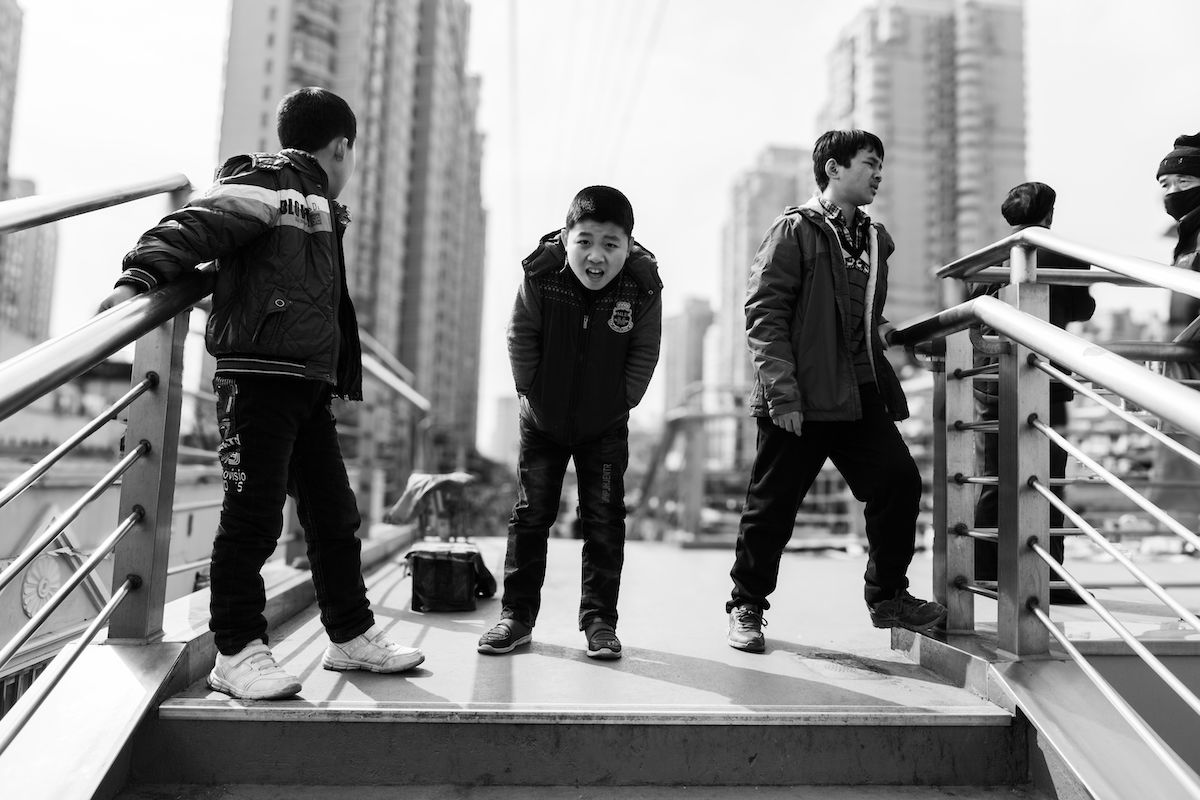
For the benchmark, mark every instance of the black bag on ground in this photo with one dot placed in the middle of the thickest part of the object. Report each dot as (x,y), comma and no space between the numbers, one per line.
(448,576)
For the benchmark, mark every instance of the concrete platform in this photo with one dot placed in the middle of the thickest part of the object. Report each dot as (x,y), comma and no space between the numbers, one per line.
(825,663)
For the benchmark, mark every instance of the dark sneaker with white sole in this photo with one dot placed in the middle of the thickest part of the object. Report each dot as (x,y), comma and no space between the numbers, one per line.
(906,611)
(602,641)
(745,629)
(504,637)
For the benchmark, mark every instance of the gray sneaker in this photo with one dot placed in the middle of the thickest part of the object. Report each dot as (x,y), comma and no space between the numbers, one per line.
(252,674)
(906,611)
(745,629)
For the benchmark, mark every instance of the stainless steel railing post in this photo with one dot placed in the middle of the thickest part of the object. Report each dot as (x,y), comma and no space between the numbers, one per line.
(959,551)
(151,484)
(1023,452)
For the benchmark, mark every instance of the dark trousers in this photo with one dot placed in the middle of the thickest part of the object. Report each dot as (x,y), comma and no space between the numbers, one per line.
(987,505)
(872,457)
(278,436)
(600,468)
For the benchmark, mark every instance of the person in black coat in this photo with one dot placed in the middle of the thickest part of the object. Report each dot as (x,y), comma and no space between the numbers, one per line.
(1029,204)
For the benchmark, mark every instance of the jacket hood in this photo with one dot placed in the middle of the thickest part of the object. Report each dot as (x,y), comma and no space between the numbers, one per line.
(551,255)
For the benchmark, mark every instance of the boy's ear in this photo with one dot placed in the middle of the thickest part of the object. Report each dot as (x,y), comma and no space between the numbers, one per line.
(339,148)
(831,168)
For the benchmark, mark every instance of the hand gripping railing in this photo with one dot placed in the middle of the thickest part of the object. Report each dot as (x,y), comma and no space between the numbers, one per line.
(1026,344)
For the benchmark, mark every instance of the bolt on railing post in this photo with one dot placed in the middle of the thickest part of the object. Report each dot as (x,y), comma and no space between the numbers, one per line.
(957,553)
(154,417)
(1024,452)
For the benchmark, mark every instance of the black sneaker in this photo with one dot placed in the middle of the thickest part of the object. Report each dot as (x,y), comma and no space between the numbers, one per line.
(505,636)
(602,641)
(745,629)
(906,611)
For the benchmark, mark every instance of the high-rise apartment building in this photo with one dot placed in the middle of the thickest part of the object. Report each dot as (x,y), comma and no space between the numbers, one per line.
(681,367)
(414,247)
(11,19)
(27,267)
(782,176)
(941,82)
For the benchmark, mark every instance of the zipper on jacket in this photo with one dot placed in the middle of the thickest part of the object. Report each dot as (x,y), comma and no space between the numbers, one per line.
(577,377)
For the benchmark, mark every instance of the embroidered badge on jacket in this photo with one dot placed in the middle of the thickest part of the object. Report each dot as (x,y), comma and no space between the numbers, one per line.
(621,320)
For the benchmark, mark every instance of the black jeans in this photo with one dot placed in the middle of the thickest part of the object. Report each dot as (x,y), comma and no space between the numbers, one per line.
(876,463)
(600,468)
(987,505)
(279,436)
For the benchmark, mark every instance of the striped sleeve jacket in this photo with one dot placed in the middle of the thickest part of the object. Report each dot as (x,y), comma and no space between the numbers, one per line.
(281,303)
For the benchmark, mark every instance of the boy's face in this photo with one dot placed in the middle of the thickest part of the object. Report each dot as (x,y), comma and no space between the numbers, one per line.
(341,168)
(858,183)
(596,252)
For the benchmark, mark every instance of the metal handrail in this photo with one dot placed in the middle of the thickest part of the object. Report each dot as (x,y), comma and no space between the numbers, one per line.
(1149,273)
(1057,276)
(34,548)
(1155,393)
(1090,531)
(1117,411)
(77,577)
(179,569)
(29,212)
(31,701)
(51,364)
(1122,707)
(30,476)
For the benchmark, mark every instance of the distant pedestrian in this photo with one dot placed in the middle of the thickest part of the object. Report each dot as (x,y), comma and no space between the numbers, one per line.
(1179,177)
(825,390)
(1028,205)
(583,341)
(284,335)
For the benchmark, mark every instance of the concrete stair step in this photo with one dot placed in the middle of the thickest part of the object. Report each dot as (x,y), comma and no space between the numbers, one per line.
(689,792)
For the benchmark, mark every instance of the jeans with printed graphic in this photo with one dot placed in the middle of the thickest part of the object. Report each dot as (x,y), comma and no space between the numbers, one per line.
(279,437)
(600,468)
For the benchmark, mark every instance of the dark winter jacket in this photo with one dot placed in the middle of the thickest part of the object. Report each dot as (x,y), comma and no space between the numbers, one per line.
(798,321)
(579,363)
(281,305)
(1184,308)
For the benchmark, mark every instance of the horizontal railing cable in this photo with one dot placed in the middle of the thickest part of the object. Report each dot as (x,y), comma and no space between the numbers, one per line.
(1057,276)
(23,213)
(1138,499)
(197,505)
(1122,707)
(975,588)
(16,719)
(77,577)
(31,475)
(1117,411)
(34,548)
(189,566)
(1142,578)
(1177,686)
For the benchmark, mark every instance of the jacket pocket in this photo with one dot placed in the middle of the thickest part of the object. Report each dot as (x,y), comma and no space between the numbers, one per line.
(277,305)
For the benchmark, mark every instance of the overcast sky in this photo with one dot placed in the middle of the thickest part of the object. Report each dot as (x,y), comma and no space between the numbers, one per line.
(667,99)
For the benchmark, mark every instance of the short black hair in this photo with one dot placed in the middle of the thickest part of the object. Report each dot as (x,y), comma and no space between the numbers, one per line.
(842,147)
(308,119)
(601,204)
(1028,203)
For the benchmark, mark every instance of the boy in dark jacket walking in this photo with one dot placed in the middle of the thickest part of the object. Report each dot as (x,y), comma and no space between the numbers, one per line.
(285,338)
(583,342)
(824,389)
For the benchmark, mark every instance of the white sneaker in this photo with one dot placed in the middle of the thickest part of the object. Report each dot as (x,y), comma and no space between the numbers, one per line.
(252,674)
(372,651)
